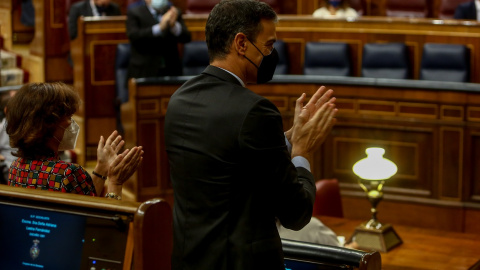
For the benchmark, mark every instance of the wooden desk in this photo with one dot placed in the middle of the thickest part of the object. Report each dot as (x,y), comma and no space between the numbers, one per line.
(431,130)
(138,232)
(421,248)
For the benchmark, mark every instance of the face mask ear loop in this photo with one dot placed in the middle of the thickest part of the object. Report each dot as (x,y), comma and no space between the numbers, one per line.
(258,51)
(251,62)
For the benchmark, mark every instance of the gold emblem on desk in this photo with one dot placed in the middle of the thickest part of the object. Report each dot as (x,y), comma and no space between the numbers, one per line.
(35,249)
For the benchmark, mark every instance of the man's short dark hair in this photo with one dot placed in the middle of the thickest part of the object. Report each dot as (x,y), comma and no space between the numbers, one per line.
(230,17)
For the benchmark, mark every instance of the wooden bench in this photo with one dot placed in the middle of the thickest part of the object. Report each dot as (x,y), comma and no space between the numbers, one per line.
(431,130)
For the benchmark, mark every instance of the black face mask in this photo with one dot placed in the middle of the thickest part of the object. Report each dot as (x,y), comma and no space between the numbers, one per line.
(267,67)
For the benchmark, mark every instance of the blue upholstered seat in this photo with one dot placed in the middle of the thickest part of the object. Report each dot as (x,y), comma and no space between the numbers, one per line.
(195,58)
(445,62)
(325,58)
(385,60)
(121,71)
(282,67)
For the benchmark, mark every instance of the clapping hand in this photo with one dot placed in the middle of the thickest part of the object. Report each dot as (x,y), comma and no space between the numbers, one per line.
(173,16)
(124,165)
(169,18)
(107,151)
(312,122)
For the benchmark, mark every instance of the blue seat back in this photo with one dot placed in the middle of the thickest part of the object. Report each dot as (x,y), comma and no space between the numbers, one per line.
(445,62)
(195,58)
(385,60)
(282,66)
(121,71)
(331,59)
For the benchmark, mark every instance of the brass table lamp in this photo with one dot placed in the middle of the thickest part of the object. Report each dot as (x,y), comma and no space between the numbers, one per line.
(372,172)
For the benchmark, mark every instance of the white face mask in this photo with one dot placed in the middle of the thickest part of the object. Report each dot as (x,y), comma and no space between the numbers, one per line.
(70,136)
(159,4)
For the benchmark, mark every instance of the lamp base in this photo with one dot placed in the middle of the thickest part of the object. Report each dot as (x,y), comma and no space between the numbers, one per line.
(382,239)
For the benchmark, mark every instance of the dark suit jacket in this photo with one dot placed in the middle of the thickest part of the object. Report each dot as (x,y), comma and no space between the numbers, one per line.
(153,56)
(232,175)
(84,9)
(466,11)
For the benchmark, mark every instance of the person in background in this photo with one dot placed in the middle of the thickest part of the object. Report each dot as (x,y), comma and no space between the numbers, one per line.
(89,8)
(231,165)
(27,17)
(468,10)
(155,29)
(40,124)
(335,9)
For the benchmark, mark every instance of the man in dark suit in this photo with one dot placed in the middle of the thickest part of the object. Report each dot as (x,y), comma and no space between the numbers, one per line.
(233,169)
(154,30)
(466,11)
(90,8)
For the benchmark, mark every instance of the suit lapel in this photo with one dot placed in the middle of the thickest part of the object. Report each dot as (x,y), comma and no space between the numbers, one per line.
(221,74)
(473,10)
(145,13)
(88,8)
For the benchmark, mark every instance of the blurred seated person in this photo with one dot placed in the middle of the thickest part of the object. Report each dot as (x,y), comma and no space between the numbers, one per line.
(155,29)
(40,124)
(89,8)
(27,16)
(335,9)
(315,232)
(468,10)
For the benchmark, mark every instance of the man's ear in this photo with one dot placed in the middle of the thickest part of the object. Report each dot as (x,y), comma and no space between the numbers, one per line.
(240,43)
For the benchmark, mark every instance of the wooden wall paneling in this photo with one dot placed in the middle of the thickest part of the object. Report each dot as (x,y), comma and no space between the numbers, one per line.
(296,54)
(143,119)
(289,7)
(37,47)
(51,43)
(419,129)
(414,52)
(473,68)
(378,8)
(6,23)
(471,191)
(56,40)
(472,216)
(94,52)
(305,7)
(409,148)
(129,122)
(432,8)
(407,213)
(149,133)
(451,152)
